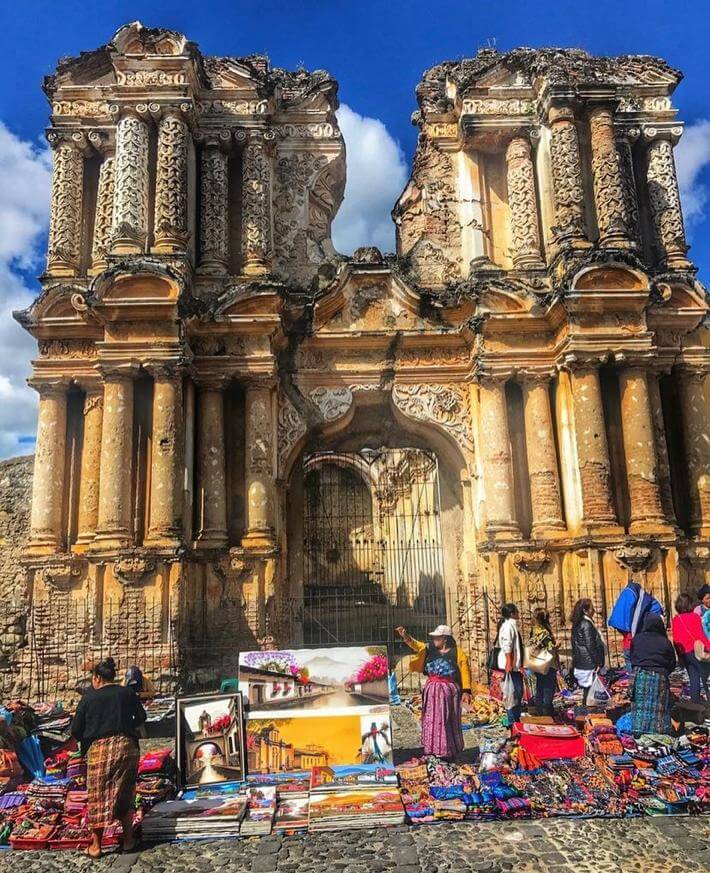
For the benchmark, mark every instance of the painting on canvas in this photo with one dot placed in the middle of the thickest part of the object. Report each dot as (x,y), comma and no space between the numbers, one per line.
(210,741)
(314,679)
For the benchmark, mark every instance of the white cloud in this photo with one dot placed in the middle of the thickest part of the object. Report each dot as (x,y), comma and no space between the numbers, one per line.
(376,174)
(25,179)
(692,155)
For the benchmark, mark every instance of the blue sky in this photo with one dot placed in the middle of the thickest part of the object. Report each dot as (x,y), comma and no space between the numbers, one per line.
(376,50)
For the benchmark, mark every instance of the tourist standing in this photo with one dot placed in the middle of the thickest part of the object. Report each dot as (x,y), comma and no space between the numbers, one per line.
(652,660)
(447,686)
(543,642)
(703,608)
(587,646)
(631,607)
(690,641)
(510,658)
(105,725)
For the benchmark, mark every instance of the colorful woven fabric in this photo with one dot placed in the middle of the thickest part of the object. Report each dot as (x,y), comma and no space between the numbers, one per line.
(651,711)
(111,779)
(441,720)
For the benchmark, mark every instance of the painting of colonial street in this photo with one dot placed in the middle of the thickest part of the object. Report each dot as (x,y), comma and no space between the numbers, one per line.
(314,679)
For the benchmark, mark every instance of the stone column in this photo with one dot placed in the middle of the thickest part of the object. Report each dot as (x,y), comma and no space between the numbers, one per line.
(545,494)
(90,464)
(694,413)
(640,452)
(256,206)
(131,185)
(114,527)
(46,534)
(664,465)
(625,137)
(170,219)
(664,199)
(166,499)
(259,466)
(497,461)
(103,220)
(214,203)
(610,195)
(525,231)
(592,447)
(212,480)
(567,184)
(64,247)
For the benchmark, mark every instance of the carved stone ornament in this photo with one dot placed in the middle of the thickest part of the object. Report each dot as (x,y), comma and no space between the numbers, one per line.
(610,195)
(567,181)
(333,403)
(171,181)
(291,427)
(64,248)
(256,203)
(259,452)
(444,405)
(131,570)
(60,575)
(103,221)
(130,201)
(636,559)
(214,207)
(665,201)
(531,562)
(523,205)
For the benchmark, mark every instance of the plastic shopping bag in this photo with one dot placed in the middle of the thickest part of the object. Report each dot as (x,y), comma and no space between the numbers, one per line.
(507,690)
(599,694)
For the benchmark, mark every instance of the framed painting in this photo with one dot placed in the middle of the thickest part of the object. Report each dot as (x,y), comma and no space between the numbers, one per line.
(209,739)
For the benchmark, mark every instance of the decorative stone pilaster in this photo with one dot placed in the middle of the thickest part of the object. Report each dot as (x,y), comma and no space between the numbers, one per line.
(211,474)
(640,451)
(170,219)
(625,137)
(592,447)
(567,184)
(214,202)
(130,200)
(166,497)
(90,465)
(525,232)
(543,471)
(694,413)
(497,460)
(46,534)
(103,220)
(64,248)
(256,205)
(114,527)
(664,198)
(610,196)
(664,466)
(260,466)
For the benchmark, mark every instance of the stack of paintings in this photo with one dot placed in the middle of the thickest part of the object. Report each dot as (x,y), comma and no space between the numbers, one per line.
(291,798)
(195,818)
(316,708)
(360,796)
(261,808)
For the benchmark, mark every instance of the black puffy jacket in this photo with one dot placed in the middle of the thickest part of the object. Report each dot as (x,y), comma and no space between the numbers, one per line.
(587,646)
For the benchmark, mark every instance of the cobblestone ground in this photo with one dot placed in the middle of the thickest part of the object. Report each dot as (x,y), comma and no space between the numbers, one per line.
(646,845)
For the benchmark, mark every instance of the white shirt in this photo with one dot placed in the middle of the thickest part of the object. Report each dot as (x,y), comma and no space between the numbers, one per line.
(509,641)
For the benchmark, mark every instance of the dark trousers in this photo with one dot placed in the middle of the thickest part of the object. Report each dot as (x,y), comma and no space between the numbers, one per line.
(698,673)
(514,712)
(545,687)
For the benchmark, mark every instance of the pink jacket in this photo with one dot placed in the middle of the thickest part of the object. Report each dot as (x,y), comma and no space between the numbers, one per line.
(687,628)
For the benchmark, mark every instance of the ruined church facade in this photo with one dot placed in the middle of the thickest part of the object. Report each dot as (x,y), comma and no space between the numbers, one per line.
(530,363)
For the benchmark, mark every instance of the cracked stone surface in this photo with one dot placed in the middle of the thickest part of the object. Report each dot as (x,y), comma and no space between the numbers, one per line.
(672,845)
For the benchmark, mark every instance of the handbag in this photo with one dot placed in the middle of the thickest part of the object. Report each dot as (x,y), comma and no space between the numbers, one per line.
(538,660)
(492,662)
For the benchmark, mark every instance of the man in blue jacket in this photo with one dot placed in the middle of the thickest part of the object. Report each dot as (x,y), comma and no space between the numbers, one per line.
(628,613)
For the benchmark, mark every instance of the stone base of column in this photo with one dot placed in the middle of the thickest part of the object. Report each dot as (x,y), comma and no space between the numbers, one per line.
(211,539)
(60,269)
(658,529)
(212,268)
(602,530)
(110,540)
(700,533)
(42,546)
(549,530)
(503,532)
(170,243)
(255,268)
(162,541)
(258,539)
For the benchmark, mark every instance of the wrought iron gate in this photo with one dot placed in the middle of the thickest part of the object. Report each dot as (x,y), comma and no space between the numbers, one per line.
(373,556)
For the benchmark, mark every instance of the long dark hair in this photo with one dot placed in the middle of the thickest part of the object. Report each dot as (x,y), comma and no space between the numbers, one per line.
(542,617)
(580,610)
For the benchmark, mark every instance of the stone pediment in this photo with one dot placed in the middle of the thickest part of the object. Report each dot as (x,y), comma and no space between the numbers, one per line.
(242,301)
(60,310)
(230,74)
(137,40)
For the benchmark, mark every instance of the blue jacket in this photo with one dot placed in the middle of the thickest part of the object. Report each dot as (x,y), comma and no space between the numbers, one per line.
(625,616)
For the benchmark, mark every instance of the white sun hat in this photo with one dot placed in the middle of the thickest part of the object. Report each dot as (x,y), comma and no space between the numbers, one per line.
(442,631)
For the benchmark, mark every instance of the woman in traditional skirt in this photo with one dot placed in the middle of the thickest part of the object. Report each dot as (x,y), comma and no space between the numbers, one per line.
(448,685)
(106,725)
(652,660)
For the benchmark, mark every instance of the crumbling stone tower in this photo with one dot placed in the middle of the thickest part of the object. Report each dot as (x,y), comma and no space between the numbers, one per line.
(540,330)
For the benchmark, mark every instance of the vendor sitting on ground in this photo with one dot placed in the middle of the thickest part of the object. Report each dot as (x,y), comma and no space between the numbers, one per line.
(447,686)
(105,725)
(140,683)
(652,660)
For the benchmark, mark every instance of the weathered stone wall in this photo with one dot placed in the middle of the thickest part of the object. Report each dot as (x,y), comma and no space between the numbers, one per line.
(15,502)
